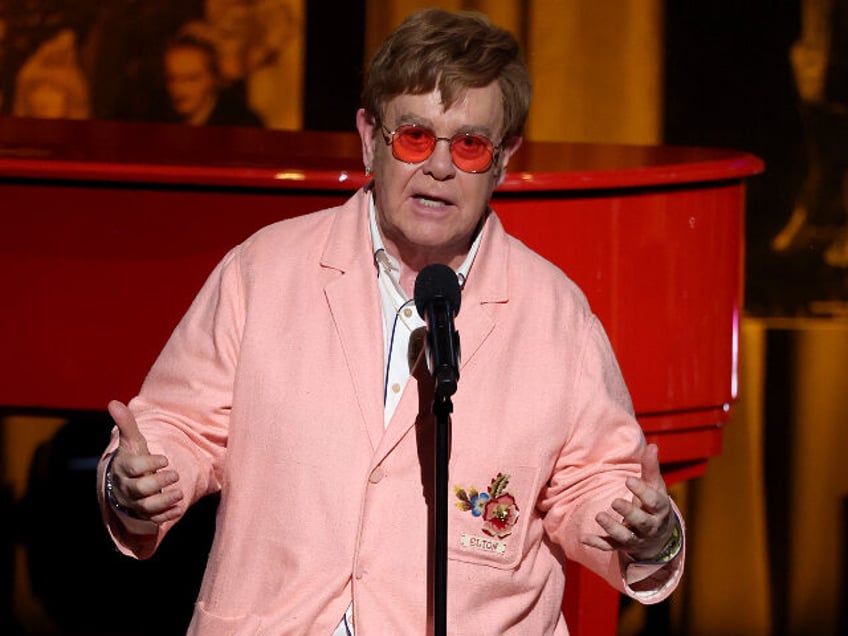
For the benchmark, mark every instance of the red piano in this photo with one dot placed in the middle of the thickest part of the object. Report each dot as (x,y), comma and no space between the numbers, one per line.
(96,212)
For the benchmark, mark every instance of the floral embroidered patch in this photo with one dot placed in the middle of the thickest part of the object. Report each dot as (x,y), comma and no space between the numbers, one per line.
(496,506)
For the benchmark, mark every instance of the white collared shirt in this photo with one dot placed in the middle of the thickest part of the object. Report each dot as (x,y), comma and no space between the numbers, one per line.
(400,317)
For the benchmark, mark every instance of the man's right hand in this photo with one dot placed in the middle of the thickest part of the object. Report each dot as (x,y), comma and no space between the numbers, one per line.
(141,483)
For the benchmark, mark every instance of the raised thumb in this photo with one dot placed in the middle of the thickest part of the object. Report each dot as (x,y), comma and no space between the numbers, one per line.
(131,439)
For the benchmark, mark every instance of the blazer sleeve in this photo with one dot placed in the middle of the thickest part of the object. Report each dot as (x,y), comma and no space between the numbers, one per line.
(184,404)
(603,447)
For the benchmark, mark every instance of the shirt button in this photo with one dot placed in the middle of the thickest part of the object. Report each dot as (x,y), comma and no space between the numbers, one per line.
(360,572)
(396,388)
(376,475)
(407,312)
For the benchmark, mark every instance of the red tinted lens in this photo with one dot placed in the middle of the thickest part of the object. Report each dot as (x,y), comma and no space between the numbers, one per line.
(413,144)
(471,153)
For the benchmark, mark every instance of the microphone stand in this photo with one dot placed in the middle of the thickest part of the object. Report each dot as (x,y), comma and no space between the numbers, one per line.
(442,408)
(437,299)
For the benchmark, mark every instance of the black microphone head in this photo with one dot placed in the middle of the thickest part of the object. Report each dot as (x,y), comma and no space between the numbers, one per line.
(436,282)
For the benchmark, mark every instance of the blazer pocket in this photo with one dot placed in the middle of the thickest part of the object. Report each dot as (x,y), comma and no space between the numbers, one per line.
(206,624)
(488,515)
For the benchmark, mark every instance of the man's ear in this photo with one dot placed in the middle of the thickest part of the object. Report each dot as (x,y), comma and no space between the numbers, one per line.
(365,125)
(506,152)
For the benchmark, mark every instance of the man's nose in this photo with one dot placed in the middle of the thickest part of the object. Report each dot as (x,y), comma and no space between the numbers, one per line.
(440,163)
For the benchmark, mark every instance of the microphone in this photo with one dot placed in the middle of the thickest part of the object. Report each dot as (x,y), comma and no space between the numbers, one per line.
(437,297)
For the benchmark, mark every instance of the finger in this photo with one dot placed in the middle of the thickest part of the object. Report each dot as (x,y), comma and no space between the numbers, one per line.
(618,534)
(646,498)
(633,514)
(159,508)
(170,514)
(162,506)
(151,484)
(131,439)
(649,491)
(647,502)
(645,524)
(153,497)
(651,474)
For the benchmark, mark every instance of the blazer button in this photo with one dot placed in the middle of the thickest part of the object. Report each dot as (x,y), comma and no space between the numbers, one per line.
(376,475)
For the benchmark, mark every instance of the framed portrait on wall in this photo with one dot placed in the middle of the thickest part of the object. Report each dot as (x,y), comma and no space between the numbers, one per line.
(226,62)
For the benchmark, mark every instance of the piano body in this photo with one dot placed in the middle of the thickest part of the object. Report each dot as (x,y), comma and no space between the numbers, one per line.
(94,213)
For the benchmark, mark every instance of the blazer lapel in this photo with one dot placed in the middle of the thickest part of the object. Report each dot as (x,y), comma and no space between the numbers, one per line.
(354,304)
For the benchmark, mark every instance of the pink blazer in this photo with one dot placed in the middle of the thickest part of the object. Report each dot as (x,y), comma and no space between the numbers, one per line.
(270,390)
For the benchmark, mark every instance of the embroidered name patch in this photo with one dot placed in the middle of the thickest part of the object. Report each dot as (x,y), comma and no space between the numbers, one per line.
(484,544)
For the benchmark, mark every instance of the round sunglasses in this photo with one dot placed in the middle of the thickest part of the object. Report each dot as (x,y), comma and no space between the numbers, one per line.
(470,152)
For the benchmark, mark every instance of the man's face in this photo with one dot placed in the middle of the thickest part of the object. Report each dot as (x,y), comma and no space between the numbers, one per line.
(428,211)
(190,81)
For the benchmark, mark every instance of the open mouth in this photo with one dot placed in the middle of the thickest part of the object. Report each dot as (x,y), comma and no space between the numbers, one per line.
(431,202)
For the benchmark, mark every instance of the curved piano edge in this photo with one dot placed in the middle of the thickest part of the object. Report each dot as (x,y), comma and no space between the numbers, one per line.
(686,439)
(554,166)
(341,181)
(707,172)
(156,153)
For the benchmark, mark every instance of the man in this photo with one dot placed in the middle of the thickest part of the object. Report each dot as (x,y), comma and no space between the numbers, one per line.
(196,89)
(293,386)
